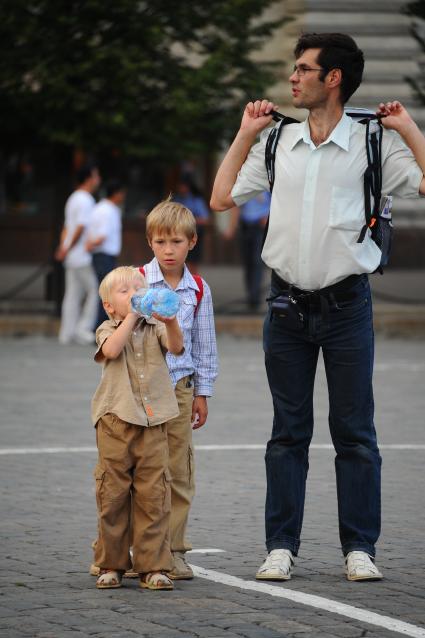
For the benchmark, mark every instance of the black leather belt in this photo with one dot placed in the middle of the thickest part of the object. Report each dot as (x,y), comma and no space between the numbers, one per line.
(341,291)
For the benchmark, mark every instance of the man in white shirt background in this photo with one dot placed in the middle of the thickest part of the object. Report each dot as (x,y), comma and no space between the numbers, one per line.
(317,213)
(105,235)
(79,306)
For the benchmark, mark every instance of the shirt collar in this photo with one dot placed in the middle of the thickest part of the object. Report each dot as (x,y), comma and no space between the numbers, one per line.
(155,276)
(340,134)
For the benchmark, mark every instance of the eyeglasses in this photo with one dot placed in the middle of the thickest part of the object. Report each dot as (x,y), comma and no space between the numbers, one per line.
(301,70)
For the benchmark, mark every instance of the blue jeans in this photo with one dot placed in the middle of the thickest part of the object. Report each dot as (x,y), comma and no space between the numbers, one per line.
(291,354)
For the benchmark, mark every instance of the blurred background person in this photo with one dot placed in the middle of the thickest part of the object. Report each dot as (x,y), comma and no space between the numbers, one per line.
(188,194)
(251,219)
(79,306)
(105,235)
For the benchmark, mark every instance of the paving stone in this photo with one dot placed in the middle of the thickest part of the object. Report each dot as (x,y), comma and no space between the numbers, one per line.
(48,516)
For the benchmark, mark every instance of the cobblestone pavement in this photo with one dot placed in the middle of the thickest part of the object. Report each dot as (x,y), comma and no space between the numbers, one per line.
(48,517)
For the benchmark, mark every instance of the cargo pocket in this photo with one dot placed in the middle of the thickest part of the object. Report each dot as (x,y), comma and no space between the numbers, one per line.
(191,466)
(99,475)
(167,491)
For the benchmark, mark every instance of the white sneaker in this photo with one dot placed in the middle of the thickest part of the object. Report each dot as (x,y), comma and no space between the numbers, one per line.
(277,566)
(359,566)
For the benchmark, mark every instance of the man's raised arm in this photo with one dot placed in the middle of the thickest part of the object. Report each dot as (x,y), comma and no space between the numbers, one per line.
(256,117)
(395,116)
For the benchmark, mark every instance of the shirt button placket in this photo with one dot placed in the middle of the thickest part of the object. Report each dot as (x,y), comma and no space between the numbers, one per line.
(307,214)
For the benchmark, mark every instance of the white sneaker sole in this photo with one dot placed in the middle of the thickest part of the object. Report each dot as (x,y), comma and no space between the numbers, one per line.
(355,578)
(271,576)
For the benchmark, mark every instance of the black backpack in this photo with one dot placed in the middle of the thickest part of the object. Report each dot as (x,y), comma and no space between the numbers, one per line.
(377,217)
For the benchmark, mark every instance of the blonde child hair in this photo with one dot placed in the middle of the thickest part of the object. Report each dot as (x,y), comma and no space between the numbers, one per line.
(170,217)
(120,275)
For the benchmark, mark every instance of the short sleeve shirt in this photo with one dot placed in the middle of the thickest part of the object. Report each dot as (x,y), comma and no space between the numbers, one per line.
(317,204)
(135,386)
(78,212)
(106,222)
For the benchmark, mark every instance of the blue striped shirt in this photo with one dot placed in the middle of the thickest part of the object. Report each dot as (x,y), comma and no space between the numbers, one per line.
(200,355)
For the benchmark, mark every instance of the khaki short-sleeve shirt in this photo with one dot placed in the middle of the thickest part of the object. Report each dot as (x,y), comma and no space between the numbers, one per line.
(136,386)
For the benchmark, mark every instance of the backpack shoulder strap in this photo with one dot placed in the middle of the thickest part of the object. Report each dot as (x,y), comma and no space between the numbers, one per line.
(270,156)
(372,178)
(271,146)
(199,293)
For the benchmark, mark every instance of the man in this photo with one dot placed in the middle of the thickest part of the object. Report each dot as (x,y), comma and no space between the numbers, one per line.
(104,235)
(79,306)
(317,213)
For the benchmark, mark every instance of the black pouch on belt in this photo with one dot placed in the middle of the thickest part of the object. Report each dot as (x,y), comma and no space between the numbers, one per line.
(284,307)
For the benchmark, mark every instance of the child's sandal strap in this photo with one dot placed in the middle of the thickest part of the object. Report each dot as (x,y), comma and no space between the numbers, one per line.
(155,580)
(109,579)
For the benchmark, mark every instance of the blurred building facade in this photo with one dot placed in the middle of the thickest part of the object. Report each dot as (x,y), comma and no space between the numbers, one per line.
(37,181)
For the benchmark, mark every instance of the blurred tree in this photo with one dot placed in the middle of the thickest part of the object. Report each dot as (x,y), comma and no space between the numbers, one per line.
(161,78)
(417,10)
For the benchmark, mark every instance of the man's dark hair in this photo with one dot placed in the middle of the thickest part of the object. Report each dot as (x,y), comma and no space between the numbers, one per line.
(338,51)
(85,172)
(113,186)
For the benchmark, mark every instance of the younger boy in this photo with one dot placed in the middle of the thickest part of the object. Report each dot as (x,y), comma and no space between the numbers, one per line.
(171,233)
(130,407)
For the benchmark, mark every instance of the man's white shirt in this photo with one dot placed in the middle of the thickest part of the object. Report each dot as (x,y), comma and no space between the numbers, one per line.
(78,211)
(106,222)
(317,206)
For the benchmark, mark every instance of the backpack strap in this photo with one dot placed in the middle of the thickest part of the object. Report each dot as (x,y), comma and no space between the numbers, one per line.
(198,293)
(271,146)
(270,155)
(372,179)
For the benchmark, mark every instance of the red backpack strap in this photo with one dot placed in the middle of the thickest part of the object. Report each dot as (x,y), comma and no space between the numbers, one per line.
(199,293)
(199,281)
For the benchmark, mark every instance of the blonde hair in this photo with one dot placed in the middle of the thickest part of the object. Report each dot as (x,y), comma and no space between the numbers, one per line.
(170,217)
(120,275)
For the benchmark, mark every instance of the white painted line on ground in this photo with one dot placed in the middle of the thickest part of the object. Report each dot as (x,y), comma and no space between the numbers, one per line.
(207,551)
(327,604)
(199,448)
(46,450)
(405,366)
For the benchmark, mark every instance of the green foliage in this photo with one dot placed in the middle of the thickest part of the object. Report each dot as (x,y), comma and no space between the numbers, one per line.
(152,78)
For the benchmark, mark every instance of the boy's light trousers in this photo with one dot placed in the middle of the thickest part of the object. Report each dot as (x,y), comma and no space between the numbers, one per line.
(181,464)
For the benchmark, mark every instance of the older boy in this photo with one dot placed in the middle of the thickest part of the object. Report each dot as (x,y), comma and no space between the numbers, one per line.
(171,233)
(131,405)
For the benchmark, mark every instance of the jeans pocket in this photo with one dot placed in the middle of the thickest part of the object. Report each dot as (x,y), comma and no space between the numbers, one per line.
(353,304)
